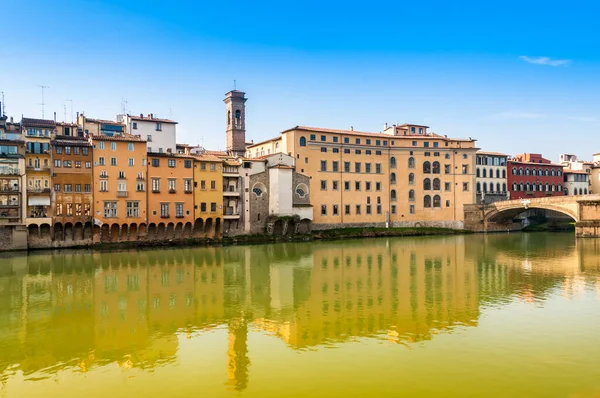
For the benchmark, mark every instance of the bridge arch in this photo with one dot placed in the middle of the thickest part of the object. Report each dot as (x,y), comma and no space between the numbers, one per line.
(513,208)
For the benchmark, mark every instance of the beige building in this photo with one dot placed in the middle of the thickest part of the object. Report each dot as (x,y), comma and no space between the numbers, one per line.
(595,174)
(403,176)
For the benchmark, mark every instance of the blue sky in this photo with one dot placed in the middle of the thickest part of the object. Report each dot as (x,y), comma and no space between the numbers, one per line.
(518,76)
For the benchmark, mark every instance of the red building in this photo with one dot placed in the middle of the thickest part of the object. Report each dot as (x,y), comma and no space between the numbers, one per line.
(532,176)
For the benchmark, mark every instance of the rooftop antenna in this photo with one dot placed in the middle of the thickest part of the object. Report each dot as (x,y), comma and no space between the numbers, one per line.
(71,102)
(65,109)
(234,84)
(42,103)
(123,106)
(3,110)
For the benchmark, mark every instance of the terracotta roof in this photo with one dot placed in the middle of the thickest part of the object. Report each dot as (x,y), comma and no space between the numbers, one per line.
(216,153)
(249,144)
(491,153)
(152,119)
(170,155)
(103,121)
(124,137)
(269,155)
(61,140)
(230,162)
(65,124)
(27,122)
(207,158)
(283,166)
(535,163)
(568,171)
(410,125)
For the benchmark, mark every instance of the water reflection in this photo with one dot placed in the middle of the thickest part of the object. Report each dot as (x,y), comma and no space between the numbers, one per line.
(82,310)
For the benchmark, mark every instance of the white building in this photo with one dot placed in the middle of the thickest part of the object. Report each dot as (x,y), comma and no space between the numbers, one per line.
(577,182)
(160,134)
(490,177)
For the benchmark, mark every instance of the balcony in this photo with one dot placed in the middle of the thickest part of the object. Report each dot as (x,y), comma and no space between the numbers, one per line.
(122,194)
(9,171)
(231,214)
(172,191)
(230,191)
(165,216)
(38,190)
(231,172)
(10,189)
(140,178)
(188,191)
(30,169)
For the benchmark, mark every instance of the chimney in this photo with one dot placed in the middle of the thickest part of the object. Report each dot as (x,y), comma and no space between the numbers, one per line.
(385,126)
(151,115)
(142,115)
(54,117)
(351,127)
(11,119)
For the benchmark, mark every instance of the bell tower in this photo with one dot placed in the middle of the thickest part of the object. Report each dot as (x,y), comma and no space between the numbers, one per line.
(235,106)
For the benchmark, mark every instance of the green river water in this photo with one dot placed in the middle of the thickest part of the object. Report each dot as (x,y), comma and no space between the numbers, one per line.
(515,315)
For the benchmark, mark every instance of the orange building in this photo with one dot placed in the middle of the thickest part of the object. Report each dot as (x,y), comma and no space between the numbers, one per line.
(170,196)
(119,188)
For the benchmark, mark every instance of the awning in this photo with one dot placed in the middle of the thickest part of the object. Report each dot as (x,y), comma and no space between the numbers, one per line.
(38,201)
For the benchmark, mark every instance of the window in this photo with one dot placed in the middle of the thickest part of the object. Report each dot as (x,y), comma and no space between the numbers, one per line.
(378,168)
(335,166)
(393,196)
(367,186)
(347,210)
(367,167)
(411,195)
(335,150)
(378,186)
(68,188)
(140,186)
(187,185)
(56,187)
(358,141)
(101,145)
(103,186)
(110,209)
(213,185)
(426,167)
(113,161)
(132,209)
(113,147)
(179,210)
(335,210)
(69,212)
(171,182)
(213,166)
(427,201)
(436,184)
(436,168)
(323,210)
(158,126)
(323,138)
(447,187)
(427,184)
(84,151)
(313,137)
(357,152)
(59,150)
(392,178)
(426,144)
(346,185)
(347,151)
(323,165)
(203,207)
(155,162)
(164,210)
(101,161)
(77,187)
(59,209)
(77,164)
(88,165)
(393,162)
(67,150)
(156,185)
(435,144)
(357,185)
(465,156)
(347,167)
(437,201)
(87,188)
(171,163)
(134,125)
(187,164)
(465,186)
(411,179)
(427,153)
(346,140)
(368,209)
(357,210)
(465,169)
(393,209)
(323,185)
(57,163)
(367,152)
(302,141)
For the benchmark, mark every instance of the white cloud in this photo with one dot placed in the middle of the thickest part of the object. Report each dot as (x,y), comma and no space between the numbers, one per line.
(545,61)
(584,119)
(518,115)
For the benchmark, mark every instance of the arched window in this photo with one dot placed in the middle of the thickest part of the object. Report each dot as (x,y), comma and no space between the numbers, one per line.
(515,186)
(514,171)
(491,173)
(427,167)
(585,191)
(520,171)
(527,187)
(411,195)
(559,173)
(228,118)
(411,179)
(436,184)
(552,173)
(485,187)
(393,195)
(503,173)
(541,188)
(411,163)
(504,187)
(521,187)
(477,173)
(436,167)
(498,187)
(497,173)
(393,162)
(484,173)
(478,187)
(427,184)
(393,178)
(547,187)
(259,189)
(437,201)
(547,172)
(580,191)
(238,116)
(427,201)
(302,190)
(533,172)
(559,187)
(302,141)
(527,172)
(533,187)
(567,191)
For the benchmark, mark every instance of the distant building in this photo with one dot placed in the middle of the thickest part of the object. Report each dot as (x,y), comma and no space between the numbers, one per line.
(208,195)
(595,174)
(160,134)
(490,176)
(277,197)
(532,176)
(577,167)
(236,122)
(577,182)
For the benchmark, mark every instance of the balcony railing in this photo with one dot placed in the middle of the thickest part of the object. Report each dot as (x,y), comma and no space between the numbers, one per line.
(10,189)
(38,190)
(172,191)
(188,191)
(122,194)
(34,168)
(9,171)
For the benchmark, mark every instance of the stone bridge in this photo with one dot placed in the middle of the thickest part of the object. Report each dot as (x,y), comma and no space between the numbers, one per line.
(499,216)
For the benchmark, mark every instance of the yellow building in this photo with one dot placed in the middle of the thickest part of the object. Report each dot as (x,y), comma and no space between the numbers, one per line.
(404,176)
(208,195)
(38,165)
(120,200)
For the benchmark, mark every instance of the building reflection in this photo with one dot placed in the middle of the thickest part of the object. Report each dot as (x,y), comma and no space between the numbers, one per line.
(81,310)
